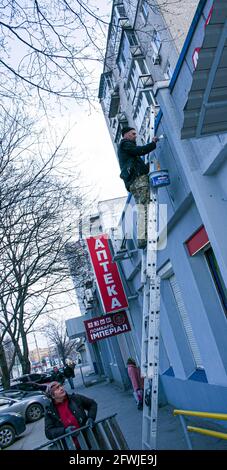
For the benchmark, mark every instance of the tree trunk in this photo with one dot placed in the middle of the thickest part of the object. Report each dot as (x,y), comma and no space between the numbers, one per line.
(25,362)
(22,354)
(4,368)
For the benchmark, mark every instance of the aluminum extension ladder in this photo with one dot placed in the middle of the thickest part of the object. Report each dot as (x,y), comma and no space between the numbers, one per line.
(105,435)
(151,322)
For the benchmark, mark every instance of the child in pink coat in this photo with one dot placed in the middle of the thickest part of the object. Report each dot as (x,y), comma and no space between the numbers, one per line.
(137,381)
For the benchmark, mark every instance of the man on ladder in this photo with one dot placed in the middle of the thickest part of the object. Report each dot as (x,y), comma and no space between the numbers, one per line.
(134,172)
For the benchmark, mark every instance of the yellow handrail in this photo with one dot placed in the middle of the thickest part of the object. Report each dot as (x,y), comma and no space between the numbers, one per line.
(201,414)
(207,432)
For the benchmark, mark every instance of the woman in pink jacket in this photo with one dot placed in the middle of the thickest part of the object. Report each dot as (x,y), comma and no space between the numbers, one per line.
(137,381)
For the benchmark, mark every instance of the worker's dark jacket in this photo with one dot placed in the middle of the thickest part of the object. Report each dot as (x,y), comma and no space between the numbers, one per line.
(130,162)
(77,404)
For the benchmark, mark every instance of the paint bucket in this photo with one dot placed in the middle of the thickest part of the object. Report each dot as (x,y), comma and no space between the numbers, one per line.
(159,178)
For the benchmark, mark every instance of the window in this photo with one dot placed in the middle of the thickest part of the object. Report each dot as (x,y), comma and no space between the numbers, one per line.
(143,116)
(113,123)
(119,21)
(121,13)
(144,11)
(138,68)
(215,271)
(156,41)
(147,126)
(142,66)
(109,80)
(123,55)
(118,132)
(132,39)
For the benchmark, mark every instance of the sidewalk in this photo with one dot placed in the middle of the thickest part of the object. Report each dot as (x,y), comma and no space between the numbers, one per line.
(170,435)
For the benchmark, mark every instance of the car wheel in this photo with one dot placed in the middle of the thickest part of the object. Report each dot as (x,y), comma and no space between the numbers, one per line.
(7,436)
(34,412)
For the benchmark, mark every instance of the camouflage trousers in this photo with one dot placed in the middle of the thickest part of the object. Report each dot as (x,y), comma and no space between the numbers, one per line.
(140,189)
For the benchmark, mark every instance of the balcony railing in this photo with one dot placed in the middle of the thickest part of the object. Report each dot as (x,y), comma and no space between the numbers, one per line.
(144,83)
(136,50)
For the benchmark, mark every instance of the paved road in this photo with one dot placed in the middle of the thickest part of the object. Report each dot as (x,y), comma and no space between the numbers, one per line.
(32,437)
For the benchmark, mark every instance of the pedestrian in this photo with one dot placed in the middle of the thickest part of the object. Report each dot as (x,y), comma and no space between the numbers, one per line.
(67,413)
(57,375)
(69,372)
(134,172)
(137,381)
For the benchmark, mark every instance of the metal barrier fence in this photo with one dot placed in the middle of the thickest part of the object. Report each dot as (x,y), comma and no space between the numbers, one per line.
(105,435)
(204,431)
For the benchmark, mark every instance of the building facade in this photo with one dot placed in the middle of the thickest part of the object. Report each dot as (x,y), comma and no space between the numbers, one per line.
(165,73)
(108,356)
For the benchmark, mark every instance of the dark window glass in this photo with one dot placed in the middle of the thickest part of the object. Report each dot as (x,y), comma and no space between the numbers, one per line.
(121,11)
(142,66)
(132,39)
(220,285)
(145,10)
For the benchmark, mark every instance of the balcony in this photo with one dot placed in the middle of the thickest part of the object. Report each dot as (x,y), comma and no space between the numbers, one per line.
(114,103)
(146,80)
(122,117)
(117,28)
(136,50)
(144,83)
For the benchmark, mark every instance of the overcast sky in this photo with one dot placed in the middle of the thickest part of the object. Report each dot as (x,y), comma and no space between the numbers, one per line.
(93,154)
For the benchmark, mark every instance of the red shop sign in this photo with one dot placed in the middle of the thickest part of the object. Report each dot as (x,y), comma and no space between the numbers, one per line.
(107,275)
(106,326)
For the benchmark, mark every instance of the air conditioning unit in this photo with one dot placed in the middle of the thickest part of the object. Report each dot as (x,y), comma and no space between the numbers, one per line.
(88,294)
(156,59)
(87,304)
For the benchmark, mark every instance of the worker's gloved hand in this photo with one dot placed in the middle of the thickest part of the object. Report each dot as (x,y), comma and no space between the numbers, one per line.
(90,422)
(70,429)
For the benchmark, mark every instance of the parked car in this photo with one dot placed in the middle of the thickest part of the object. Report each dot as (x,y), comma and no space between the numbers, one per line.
(18,394)
(35,377)
(28,387)
(31,408)
(11,425)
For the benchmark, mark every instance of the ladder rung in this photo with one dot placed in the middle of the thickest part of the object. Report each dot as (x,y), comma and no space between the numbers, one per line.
(150,323)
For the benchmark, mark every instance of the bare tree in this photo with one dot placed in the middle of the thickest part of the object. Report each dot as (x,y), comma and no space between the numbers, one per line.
(7,358)
(39,214)
(55,331)
(56,44)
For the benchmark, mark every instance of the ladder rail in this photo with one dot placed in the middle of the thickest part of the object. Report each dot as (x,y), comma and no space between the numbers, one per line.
(151,325)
